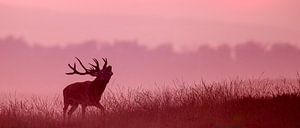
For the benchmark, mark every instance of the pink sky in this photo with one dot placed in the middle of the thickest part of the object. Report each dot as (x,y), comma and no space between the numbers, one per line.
(185,24)
(152,22)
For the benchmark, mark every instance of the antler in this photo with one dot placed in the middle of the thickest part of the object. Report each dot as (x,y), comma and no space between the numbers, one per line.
(75,71)
(91,71)
(96,67)
(105,63)
(86,70)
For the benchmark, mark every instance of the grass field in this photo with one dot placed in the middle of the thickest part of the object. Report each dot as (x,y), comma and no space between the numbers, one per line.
(259,103)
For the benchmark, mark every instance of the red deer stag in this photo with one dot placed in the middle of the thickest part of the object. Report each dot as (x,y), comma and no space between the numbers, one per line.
(86,93)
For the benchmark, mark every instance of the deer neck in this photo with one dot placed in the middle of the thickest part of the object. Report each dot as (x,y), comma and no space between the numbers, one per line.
(100,83)
(97,88)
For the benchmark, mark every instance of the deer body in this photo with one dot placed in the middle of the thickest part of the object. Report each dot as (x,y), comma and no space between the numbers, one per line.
(86,93)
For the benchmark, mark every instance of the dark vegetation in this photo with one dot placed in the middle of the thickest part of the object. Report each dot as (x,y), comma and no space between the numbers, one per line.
(256,103)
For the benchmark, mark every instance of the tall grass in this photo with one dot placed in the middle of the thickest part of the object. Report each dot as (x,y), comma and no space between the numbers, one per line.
(231,103)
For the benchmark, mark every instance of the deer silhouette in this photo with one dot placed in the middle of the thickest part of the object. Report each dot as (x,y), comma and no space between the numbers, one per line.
(87,93)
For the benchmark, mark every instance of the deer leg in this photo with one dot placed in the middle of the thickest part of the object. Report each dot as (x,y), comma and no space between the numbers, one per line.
(83,107)
(73,108)
(100,107)
(66,105)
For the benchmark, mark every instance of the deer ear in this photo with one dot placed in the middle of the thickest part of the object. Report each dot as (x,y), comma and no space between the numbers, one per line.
(109,68)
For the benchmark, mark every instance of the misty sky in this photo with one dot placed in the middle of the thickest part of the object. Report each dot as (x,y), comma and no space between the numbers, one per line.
(185,23)
(39,69)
